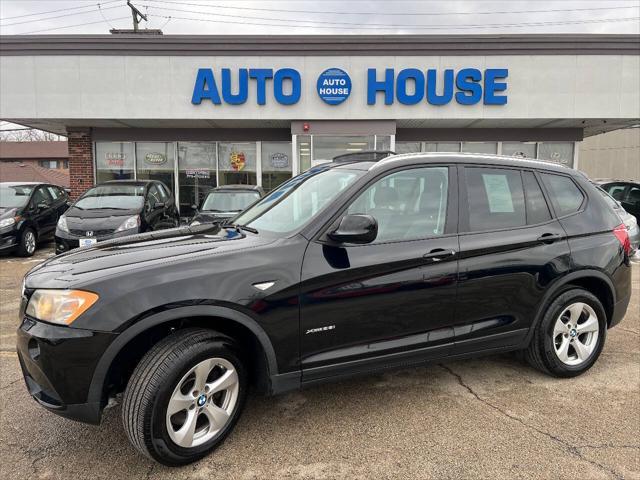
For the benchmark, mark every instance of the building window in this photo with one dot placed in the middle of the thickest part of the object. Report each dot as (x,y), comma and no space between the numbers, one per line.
(197,173)
(49,163)
(326,147)
(519,149)
(237,163)
(114,161)
(408,147)
(443,147)
(556,152)
(65,164)
(304,152)
(383,142)
(276,164)
(155,161)
(480,147)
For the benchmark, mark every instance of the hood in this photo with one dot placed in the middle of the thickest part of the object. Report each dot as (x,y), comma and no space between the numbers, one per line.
(142,251)
(97,219)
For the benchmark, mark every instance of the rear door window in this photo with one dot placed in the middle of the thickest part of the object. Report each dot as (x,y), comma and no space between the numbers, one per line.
(565,195)
(495,199)
(537,208)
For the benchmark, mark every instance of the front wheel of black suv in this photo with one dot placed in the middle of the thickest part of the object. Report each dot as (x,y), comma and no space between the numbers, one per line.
(184,397)
(569,338)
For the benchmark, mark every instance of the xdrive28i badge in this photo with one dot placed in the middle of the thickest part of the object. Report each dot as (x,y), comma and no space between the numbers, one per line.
(334,86)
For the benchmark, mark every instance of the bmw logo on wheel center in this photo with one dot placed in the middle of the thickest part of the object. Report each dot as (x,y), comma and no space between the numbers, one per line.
(334,86)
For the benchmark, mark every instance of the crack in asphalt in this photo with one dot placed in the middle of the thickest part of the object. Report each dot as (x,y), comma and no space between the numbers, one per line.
(10,383)
(573,450)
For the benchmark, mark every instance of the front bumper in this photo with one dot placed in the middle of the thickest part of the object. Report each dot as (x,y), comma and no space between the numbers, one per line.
(66,241)
(9,239)
(58,364)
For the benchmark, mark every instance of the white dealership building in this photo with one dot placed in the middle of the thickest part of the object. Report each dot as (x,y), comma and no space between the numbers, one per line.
(200,111)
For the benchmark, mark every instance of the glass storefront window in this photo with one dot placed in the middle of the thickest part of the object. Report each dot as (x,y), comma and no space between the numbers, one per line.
(155,161)
(383,142)
(408,147)
(556,152)
(326,147)
(237,163)
(197,168)
(276,164)
(480,147)
(519,149)
(443,147)
(304,152)
(114,161)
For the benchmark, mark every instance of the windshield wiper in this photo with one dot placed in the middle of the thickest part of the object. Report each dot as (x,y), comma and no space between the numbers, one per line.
(239,227)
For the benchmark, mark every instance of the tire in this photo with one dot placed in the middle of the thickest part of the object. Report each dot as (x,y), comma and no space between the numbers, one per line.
(565,352)
(167,374)
(28,242)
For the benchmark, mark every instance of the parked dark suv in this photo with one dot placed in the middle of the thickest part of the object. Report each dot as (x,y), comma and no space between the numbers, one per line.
(223,203)
(116,209)
(348,268)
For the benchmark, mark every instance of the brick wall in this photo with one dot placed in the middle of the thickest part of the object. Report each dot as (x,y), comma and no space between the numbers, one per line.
(80,160)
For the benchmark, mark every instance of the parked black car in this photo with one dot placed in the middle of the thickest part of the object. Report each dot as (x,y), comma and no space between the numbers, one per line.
(116,209)
(223,203)
(626,192)
(346,269)
(29,212)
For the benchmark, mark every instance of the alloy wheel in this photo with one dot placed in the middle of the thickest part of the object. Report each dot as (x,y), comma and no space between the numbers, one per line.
(30,242)
(575,334)
(202,403)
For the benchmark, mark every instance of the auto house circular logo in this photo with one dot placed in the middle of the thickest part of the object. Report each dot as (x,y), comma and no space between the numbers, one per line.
(334,86)
(155,158)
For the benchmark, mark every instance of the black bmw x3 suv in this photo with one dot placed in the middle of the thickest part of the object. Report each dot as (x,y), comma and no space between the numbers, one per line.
(348,268)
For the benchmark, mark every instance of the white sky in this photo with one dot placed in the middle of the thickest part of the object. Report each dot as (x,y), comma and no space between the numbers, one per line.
(239,17)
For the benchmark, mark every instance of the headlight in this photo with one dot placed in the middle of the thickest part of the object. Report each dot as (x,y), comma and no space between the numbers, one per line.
(7,222)
(129,223)
(59,306)
(62,224)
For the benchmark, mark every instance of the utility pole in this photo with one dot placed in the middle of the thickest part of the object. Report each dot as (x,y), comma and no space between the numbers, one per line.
(137,16)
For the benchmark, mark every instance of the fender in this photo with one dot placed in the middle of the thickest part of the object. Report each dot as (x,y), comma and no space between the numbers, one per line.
(97,382)
(552,292)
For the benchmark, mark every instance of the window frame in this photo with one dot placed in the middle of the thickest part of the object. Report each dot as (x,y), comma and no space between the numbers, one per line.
(464,214)
(451,217)
(547,194)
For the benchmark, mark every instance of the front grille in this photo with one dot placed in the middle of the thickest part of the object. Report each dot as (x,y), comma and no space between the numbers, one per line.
(96,233)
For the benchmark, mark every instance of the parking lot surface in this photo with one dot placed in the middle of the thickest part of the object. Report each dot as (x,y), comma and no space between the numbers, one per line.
(492,417)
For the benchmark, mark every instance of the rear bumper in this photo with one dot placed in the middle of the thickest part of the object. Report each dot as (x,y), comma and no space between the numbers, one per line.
(58,364)
(619,310)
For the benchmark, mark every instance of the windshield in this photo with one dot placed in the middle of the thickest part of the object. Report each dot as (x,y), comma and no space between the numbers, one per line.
(298,200)
(229,201)
(14,195)
(119,197)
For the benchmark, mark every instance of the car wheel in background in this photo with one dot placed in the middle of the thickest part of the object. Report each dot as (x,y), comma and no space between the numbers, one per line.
(184,397)
(28,242)
(569,338)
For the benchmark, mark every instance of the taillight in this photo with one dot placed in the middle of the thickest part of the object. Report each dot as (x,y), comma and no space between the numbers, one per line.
(623,237)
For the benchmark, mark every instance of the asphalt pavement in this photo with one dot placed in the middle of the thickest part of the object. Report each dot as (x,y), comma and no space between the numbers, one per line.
(492,417)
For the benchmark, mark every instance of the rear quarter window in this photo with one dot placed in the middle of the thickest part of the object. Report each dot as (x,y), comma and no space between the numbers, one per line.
(564,194)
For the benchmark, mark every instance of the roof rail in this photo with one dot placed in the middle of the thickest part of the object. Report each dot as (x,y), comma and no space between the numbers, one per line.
(363,156)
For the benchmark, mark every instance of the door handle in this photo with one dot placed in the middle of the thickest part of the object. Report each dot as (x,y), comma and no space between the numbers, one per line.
(549,237)
(438,254)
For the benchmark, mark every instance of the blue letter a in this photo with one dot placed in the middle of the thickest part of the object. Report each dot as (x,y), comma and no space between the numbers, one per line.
(200,91)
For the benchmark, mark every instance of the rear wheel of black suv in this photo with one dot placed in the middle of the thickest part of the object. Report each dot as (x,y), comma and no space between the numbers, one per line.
(184,397)
(569,338)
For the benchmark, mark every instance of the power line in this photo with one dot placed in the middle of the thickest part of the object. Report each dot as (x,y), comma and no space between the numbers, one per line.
(71,26)
(408,27)
(55,11)
(60,16)
(413,14)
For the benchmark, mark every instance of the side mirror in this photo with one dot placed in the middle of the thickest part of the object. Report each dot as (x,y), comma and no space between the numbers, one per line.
(194,207)
(355,228)
(158,205)
(42,206)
